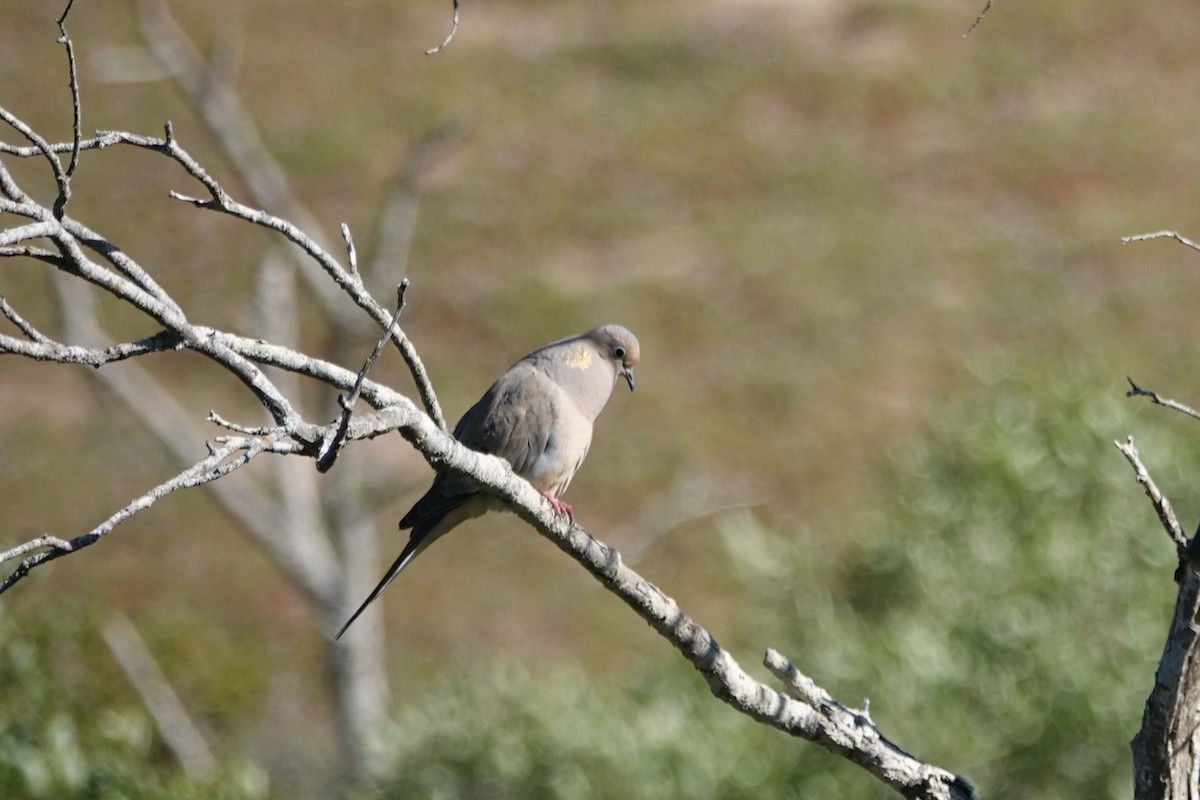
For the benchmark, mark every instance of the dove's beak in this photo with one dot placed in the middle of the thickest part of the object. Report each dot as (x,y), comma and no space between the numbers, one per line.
(627,374)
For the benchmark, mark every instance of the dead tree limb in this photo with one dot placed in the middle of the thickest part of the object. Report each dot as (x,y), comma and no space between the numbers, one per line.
(1166,750)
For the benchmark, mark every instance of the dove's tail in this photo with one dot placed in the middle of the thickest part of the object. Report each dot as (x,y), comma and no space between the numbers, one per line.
(419,540)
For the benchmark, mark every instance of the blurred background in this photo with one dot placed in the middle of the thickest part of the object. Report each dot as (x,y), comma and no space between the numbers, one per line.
(886,319)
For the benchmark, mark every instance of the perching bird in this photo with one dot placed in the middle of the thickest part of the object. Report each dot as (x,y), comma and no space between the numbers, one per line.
(538,417)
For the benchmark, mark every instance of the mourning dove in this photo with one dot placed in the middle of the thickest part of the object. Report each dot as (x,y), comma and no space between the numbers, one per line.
(538,417)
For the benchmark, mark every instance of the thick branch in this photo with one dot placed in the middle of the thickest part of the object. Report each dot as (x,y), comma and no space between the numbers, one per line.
(1166,751)
(853,735)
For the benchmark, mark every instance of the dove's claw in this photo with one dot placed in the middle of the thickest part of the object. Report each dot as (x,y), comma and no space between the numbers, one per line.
(559,506)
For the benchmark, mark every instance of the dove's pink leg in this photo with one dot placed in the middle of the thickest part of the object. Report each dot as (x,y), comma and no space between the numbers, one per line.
(559,506)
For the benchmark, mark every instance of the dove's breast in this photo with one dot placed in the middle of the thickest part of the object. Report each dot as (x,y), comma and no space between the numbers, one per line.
(570,436)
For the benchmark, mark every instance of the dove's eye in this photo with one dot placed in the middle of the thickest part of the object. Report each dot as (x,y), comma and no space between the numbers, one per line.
(619,351)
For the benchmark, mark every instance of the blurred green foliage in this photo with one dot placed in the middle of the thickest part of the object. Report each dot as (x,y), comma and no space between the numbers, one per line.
(67,733)
(1008,611)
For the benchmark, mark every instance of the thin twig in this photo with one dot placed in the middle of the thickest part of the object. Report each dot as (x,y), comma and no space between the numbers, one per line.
(217,419)
(978,19)
(233,129)
(27,251)
(1162,506)
(449,36)
(43,148)
(230,456)
(16,319)
(1137,391)
(329,452)
(351,253)
(76,106)
(98,142)
(1142,237)
(63,17)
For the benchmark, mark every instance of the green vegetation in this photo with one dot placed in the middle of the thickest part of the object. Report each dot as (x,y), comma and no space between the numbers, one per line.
(68,733)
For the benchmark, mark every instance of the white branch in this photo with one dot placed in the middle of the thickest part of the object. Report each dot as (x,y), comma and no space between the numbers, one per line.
(854,735)
(34,230)
(1162,506)
(1143,237)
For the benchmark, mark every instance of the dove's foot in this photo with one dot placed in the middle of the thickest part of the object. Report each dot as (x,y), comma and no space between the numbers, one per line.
(559,506)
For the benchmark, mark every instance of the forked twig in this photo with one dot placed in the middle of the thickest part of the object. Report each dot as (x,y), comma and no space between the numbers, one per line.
(333,446)
(978,19)
(1137,391)
(1162,506)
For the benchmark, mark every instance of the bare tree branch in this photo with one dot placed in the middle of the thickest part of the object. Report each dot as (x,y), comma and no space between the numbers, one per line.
(853,735)
(76,106)
(46,350)
(978,19)
(1162,506)
(33,544)
(449,36)
(97,142)
(24,325)
(1137,391)
(330,450)
(42,147)
(1142,237)
(230,454)
(301,527)
(1166,749)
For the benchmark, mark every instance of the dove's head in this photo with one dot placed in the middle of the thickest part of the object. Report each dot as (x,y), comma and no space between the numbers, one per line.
(617,345)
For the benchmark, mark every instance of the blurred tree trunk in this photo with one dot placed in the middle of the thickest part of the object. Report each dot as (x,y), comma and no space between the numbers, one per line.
(1166,751)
